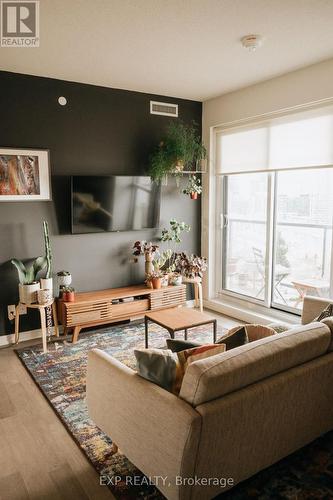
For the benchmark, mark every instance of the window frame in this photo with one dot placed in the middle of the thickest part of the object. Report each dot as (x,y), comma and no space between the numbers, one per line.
(217,194)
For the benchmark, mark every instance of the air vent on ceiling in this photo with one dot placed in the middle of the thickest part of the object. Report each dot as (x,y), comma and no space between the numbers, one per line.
(163,108)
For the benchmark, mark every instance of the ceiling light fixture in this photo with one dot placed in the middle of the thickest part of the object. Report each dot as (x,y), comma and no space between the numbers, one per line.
(251,42)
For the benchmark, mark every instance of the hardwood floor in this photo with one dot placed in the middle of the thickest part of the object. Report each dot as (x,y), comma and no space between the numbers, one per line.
(38,458)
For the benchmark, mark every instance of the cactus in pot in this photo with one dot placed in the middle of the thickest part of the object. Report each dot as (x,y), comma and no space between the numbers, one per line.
(47,282)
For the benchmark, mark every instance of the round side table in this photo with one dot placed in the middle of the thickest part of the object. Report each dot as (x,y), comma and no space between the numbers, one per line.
(42,312)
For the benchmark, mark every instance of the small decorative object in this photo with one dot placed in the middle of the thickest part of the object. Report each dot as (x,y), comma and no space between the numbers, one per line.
(190,266)
(68,294)
(29,285)
(176,279)
(165,280)
(24,175)
(44,296)
(47,282)
(155,278)
(193,187)
(147,249)
(180,150)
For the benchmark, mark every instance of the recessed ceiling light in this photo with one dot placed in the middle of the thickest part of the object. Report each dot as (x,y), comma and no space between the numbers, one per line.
(251,42)
(62,100)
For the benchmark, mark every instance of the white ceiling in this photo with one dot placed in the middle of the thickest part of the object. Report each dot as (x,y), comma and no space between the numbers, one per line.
(183,48)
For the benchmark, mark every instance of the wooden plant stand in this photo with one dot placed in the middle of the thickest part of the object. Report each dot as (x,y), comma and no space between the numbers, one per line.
(98,308)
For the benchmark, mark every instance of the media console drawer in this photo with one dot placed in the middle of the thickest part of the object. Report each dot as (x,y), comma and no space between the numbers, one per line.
(128,308)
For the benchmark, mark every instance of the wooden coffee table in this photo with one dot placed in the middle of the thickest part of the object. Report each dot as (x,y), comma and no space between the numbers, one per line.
(176,319)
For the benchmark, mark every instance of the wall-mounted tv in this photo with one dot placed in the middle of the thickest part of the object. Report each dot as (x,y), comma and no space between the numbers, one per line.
(114,203)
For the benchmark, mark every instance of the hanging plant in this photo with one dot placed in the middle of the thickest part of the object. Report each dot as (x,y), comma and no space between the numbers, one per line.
(194,187)
(181,149)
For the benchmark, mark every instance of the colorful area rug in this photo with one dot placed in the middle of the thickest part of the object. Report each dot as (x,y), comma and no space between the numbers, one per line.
(61,374)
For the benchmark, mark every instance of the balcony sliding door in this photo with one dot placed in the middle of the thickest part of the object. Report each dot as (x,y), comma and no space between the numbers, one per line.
(245,234)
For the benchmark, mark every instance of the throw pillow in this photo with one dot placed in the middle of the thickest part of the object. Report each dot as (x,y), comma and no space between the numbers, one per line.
(196,353)
(257,332)
(176,345)
(234,338)
(160,367)
(326,313)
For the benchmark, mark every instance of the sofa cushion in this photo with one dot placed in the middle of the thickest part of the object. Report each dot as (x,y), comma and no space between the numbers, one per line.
(224,373)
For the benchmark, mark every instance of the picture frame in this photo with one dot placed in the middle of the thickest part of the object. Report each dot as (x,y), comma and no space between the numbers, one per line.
(25,175)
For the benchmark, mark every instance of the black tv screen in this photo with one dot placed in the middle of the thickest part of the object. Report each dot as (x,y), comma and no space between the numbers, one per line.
(114,203)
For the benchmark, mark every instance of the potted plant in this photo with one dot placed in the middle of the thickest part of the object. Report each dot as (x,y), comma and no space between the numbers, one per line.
(28,282)
(155,278)
(190,266)
(173,235)
(175,279)
(44,296)
(68,294)
(64,278)
(47,282)
(147,249)
(181,149)
(159,261)
(193,187)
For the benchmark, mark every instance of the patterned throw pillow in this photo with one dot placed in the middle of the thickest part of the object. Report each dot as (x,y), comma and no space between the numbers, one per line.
(196,353)
(326,313)
(161,367)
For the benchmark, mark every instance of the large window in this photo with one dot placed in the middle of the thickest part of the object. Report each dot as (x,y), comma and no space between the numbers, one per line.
(276,207)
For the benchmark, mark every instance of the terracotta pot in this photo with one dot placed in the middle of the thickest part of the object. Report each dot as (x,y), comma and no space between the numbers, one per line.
(68,296)
(194,196)
(156,282)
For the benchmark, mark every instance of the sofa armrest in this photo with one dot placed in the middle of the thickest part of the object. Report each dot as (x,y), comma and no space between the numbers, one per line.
(155,429)
(312,307)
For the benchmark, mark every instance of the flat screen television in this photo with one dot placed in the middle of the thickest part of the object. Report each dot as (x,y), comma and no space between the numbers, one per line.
(114,203)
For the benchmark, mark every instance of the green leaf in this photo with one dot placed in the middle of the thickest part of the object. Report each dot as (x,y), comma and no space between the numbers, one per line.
(21,269)
(38,265)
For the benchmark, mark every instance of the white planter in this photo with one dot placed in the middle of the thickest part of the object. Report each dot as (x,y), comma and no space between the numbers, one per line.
(176,280)
(165,280)
(46,283)
(44,296)
(28,293)
(65,280)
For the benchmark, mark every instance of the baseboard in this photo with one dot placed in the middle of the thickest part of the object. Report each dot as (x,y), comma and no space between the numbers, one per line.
(6,340)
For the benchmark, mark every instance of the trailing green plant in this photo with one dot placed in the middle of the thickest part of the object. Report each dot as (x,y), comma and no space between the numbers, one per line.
(193,185)
(180,149)
(48,252)
(28,275)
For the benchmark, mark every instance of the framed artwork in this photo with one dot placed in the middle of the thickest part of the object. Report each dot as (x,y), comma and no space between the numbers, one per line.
(24,175)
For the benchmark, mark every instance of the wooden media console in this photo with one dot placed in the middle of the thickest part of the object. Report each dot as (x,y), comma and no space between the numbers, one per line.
(102,307)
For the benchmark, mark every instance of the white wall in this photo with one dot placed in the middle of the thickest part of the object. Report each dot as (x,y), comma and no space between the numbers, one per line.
(307,85)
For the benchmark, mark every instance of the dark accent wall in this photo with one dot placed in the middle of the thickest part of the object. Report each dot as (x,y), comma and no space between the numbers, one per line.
(100,131)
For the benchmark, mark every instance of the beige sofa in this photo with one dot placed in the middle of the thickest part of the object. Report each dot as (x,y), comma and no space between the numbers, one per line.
(238,412)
